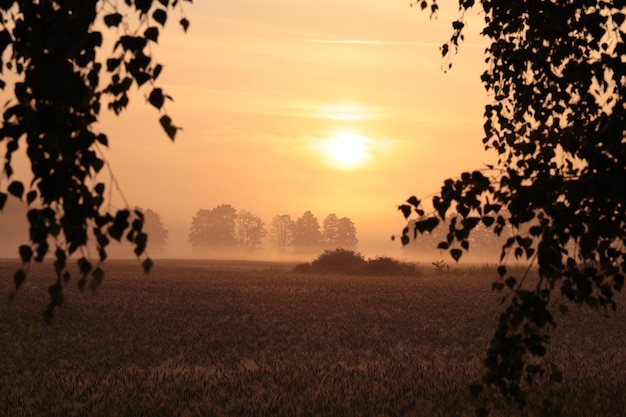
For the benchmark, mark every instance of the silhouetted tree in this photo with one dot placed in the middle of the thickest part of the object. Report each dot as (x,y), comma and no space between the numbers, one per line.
(307,236)
(281,232)
(155,228)
(214,229)
(249,230)
(330,227)
(346,235)
(50,49)
(339,233)
(556,79)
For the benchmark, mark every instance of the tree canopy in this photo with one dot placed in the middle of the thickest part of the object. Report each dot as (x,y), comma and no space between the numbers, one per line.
(281,232)
(339,233)
(556,77)
(49,56)
(307,235)
(214,229)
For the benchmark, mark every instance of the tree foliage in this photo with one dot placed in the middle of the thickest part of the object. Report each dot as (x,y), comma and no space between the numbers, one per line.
(155,229)
(281,232)
(556,77)
(214,229)
(339,233)
(49,55)
(250,230)
(307,235)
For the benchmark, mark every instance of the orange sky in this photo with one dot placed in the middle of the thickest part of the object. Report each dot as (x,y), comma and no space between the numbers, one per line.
(258,85)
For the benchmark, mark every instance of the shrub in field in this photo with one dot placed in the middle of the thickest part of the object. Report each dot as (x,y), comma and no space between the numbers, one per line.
(338,260)
(441,266)
(347,261)
(384,265)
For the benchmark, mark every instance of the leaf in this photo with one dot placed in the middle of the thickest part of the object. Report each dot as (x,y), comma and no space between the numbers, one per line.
(406,210)
(160,16)
(113,63)
(31,196)
(170,129)
(427,225)
(184,23)
(147,265)
(16,188)
(19,277)
(413,201)
(113,19)
(157,70)
(405,240)
(26,253)
(98,274)
(3,200)
(156,98)
(456,254)
(152,33)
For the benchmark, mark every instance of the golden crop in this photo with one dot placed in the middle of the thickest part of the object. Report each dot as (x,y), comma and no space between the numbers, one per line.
(219,339)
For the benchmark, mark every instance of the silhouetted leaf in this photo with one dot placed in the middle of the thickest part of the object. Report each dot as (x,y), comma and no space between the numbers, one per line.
(26,253)
(152,33)
(157,70)
(413,201)
(406,210)
(456,254)
(147,265)
(113,19)
(160,16)
(3,200)
(19,277)
(31,196)
(166,123)
(16,188)
(184,23)
(156,98)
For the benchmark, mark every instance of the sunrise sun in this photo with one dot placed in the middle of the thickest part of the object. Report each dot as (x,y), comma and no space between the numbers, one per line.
(346,150)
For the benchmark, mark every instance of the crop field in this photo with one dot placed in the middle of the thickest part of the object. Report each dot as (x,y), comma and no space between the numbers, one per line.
(197,338)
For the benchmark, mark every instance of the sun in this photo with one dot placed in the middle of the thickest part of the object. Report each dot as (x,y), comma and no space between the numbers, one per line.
(346,150)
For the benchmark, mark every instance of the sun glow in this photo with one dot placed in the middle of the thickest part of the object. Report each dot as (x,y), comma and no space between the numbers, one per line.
(347,150)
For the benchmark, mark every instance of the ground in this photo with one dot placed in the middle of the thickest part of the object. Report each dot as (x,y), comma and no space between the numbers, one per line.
(215,338)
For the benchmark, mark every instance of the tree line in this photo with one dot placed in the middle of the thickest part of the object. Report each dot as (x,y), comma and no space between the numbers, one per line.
(224,228)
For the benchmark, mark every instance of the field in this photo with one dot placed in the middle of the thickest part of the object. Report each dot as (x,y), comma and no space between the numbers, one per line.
(252,339)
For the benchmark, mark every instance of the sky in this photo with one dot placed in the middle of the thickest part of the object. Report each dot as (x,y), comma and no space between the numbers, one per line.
(261,87)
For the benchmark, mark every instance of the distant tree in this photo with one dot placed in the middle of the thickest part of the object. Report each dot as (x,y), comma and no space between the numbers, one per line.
(214,228)
(249,230)
(61,79)
(346,234)
(307,236)
(338,233)
(556,80)
(155,228)
(281,232)
(330,231)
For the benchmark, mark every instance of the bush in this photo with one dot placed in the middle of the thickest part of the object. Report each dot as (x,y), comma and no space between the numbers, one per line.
(384,265)
(344,261)
(338,260)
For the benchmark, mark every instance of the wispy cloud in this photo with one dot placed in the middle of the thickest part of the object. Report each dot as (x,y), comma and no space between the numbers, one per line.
(364,42)
(374,42)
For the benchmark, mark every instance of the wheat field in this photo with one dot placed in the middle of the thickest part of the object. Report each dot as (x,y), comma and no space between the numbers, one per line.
(195,338)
